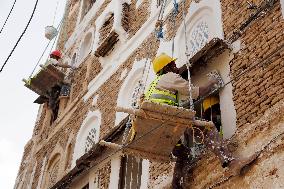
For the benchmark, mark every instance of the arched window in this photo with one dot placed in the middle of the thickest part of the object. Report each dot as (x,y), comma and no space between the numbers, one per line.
(68,156)
(73,60)
(85,46)
(86,6)
(53,170)
(129,90)
(203,23)
(88,135)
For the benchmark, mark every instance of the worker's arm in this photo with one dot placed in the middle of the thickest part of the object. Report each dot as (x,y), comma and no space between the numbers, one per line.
(59,64)
(175,83)
(62,65)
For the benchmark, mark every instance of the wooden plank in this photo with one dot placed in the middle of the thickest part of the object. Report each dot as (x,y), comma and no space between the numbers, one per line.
(156,137)
(45,79)
(168,109)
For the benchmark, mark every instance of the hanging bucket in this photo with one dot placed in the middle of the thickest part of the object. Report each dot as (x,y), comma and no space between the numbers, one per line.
(50,32)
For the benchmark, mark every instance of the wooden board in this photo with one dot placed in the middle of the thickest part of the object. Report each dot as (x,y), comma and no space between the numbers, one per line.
(45,79)
(159,136)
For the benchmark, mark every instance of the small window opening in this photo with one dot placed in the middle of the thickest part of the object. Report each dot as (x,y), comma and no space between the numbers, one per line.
(87,5)
(53,99)
(53,102)
(209,109)
(130,172)
(86,186)
(73,61)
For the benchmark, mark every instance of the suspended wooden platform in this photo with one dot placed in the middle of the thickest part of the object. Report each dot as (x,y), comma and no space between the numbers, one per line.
(159,128)
(45,79)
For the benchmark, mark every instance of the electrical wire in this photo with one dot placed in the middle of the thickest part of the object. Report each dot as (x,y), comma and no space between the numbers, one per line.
(6,61)
(8,16)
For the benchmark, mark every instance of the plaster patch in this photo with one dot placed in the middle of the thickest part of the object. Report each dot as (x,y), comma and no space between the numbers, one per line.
(236,46)
(123,74)
(95,100)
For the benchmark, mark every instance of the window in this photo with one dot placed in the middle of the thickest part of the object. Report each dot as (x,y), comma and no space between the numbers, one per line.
(53,102)
(130,172)
(86,186)
(53,170)
(85,46)
(199,37)
(129,89)
(73,61)
(87,5)
(88,135)
(226,109)
(90,139)
(209,109)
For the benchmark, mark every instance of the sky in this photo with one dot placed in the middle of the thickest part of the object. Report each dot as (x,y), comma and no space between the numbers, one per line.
(17,110)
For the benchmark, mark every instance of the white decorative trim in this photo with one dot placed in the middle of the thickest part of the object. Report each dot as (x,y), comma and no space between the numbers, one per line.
(81,56)
(282,7)
(236,46)
(114,174)
(145,174)
(208,11)
(39,183)
(32,176)
(123,74)
(95,100)
(93,120)
(127,88)
(80,26)
(138,3)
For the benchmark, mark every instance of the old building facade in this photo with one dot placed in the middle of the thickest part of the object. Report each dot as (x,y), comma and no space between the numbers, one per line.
(112,44)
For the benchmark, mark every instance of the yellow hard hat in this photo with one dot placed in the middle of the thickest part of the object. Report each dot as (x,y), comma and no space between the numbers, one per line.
(209,102)
(161,61)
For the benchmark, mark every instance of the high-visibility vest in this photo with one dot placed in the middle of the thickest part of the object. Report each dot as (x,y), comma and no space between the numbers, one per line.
(160,96)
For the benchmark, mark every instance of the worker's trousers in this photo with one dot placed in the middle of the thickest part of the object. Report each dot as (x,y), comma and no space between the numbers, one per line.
(188,153)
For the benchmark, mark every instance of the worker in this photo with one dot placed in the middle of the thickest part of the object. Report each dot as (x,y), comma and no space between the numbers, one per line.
(168,84)
(165,89)
(211,111)
(55,59)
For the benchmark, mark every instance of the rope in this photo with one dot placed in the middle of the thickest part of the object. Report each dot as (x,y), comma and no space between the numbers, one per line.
(159,24)
(193,135)
(6,61)
(174,15)
(46,47)
(188,64)
(8,16)
(55,12)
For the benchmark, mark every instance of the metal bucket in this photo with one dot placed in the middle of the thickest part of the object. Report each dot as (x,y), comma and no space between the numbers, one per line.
(50,32)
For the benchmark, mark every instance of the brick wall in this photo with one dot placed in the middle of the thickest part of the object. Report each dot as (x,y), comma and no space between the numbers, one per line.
(258,67)
(258,88)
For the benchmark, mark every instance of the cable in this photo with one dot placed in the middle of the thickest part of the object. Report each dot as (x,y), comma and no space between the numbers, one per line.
(8,16)
(35,6)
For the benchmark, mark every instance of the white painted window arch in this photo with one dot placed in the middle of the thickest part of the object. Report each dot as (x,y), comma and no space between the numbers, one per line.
(129,87)
(86,46)
(203,23)
(88,135)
